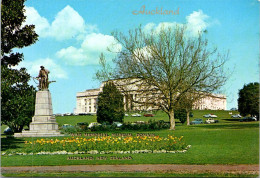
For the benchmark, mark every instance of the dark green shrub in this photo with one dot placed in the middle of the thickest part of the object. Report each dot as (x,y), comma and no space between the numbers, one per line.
(110,105)
(181,114)
(70,130)
(83,125)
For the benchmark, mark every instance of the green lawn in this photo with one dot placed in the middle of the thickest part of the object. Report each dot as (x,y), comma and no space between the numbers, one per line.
(227,142)
(223,116)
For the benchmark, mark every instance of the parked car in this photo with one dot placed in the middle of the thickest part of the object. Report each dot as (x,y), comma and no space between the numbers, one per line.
(92,124)
(148,115)
(210,120)
(196,121)
(248,119)
(67,114)
(136,115)
(64,126)
(58,114)
(84,114)
(118,124)
(210,116)
(8,130)
(236,116)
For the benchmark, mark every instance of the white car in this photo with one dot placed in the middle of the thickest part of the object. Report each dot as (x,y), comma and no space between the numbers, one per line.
(210,116)
(92,124)
(118,124)
(7,130)
(210,120)
(236,116)
(136,115)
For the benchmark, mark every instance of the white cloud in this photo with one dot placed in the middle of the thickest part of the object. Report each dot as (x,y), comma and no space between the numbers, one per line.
(33,67)
(41,24)
(196,22)
(67,24)
(163,25)
(148,27)
(90,50)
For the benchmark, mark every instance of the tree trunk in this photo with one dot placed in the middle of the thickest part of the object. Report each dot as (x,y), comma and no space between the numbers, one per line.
(188,117)
(172,120)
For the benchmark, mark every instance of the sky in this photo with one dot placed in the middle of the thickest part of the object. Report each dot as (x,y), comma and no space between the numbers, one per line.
(72,34)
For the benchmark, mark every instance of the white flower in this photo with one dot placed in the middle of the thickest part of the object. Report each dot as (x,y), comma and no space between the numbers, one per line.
(163,151)
(63,152)
(93,152)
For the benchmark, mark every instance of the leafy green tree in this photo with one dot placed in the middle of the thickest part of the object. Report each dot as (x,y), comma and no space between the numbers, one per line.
(110,105)
(181,114)
(165,64)
(17,103)
(248,100)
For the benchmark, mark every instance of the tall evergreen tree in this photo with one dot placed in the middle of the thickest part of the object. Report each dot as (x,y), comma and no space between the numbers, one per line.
(17,102)
(248,101)
(110,105)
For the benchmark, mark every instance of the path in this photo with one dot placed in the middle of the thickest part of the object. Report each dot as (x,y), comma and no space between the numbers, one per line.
(139,168)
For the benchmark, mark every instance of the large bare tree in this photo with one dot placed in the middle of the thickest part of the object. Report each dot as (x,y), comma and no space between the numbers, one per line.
(164,65)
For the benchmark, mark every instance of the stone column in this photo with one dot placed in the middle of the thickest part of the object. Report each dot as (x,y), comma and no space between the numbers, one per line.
(43,122)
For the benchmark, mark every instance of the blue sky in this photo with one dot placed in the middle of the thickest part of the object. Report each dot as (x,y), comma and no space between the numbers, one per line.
(72,34)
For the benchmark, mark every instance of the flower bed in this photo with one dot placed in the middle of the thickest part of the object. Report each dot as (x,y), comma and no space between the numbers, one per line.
(105,145)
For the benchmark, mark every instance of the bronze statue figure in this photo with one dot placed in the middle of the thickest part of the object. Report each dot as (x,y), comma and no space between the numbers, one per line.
(43,79)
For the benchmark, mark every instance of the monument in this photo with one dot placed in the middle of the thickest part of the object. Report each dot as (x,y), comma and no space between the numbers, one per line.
(43,122)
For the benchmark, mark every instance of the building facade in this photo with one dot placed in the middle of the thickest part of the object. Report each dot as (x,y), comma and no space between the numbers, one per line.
(87,100)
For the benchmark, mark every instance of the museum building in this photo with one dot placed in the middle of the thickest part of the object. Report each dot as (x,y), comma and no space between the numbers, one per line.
(87,100)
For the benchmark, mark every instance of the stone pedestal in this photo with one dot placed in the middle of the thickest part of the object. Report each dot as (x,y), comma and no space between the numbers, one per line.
(43,123)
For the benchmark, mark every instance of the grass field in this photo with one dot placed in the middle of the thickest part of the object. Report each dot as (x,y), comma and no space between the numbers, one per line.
(223,116)
(227,142)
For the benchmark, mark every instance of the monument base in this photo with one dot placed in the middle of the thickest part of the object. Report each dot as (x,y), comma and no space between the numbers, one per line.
(43,123)
(29,133)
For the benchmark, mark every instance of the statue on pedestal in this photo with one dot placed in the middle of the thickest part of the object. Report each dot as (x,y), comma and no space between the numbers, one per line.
(43,122)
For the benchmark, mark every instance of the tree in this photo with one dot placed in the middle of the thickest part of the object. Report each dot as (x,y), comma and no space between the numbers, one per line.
(110,105)
(181,114)
(248,100)
(168,64)
(17,103)
(187,102)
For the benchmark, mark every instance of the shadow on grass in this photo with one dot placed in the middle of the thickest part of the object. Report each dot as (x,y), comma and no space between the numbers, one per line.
(231,126)
(10,143)
(231,120)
